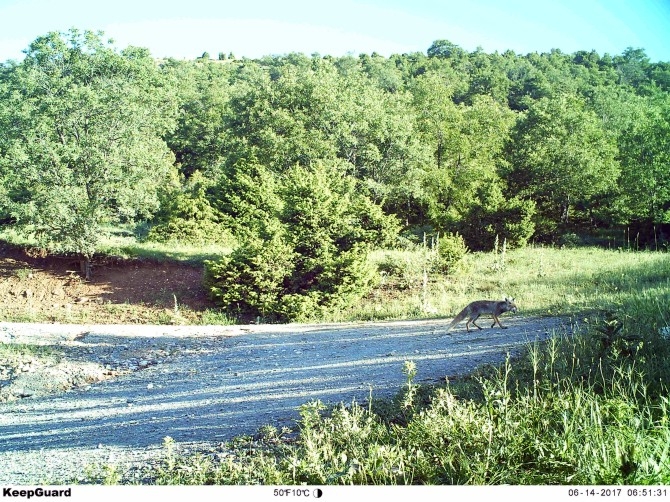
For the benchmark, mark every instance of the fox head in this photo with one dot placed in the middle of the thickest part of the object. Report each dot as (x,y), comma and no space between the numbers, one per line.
(510,305)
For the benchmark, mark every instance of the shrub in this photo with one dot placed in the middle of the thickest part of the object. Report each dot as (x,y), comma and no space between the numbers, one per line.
(569,240)
(188,216)
(247,197)
(311,257)
(188,231)
(250,282)
(451,249)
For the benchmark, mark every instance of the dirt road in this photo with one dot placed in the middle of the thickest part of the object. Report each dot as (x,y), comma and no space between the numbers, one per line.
(208,384)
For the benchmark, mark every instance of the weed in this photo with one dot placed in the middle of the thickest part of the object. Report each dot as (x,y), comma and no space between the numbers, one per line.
(11,351)
(24,273)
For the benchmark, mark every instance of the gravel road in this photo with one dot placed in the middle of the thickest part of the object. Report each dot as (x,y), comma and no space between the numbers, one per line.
(203,385)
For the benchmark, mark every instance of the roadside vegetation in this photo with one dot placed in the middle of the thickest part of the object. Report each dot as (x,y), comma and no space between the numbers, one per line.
(580,410)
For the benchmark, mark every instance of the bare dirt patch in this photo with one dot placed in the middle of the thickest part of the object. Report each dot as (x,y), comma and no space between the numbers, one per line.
(33,287)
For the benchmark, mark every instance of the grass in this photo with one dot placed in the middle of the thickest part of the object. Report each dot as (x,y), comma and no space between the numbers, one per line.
(592,408)
(123,243)
(11,351)
(126,246)
(543,280)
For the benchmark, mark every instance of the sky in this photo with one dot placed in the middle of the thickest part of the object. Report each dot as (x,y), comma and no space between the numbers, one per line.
(253,28)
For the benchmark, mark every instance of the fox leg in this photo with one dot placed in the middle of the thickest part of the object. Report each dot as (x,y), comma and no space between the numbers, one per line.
(496,320)
(472,320)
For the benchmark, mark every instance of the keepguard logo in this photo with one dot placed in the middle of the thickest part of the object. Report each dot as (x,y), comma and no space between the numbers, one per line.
(36,492)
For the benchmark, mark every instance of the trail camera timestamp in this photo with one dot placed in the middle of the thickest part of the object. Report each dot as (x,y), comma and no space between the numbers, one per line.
(650,492)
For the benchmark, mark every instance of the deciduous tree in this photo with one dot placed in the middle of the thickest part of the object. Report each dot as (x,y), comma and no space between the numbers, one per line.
(82,143)
(561,157)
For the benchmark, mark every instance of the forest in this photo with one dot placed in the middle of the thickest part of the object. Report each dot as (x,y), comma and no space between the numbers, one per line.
(304,164)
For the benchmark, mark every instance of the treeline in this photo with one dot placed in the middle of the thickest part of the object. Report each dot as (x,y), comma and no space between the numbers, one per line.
(524,147)
(338,152)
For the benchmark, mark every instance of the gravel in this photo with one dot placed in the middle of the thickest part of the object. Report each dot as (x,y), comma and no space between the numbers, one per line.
(109,395)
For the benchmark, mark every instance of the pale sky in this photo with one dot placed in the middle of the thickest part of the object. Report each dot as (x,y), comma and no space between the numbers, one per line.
(254,28)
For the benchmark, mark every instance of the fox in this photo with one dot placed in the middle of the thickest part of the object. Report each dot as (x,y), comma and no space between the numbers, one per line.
(479,307)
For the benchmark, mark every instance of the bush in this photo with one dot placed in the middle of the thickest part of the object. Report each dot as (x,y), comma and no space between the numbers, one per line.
(250,282)
(247,197)
(311,257)
(188,217)
(569,240)
(187,231)
(451,249)
(380,229)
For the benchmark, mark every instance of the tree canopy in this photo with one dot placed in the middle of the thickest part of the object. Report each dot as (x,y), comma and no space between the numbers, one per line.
(519,147)
(82,142)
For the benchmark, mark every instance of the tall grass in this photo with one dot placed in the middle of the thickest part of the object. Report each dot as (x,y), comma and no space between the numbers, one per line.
(543,280)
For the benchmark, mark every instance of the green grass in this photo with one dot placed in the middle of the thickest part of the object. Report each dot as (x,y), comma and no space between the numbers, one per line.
(544,281)
(11,351)
(126,246)
(122,242)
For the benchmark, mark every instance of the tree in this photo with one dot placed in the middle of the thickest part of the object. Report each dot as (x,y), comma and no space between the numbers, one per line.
(82,143)
(438,115)
(305,111)
(491,217)
(445,49)
(247,198)
(645,160)
(467,141)
(312,255)
(632,66)
(488,76)
(561,157)
(199,140)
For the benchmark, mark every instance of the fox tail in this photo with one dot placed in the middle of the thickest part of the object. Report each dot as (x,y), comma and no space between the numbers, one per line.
(461,315)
